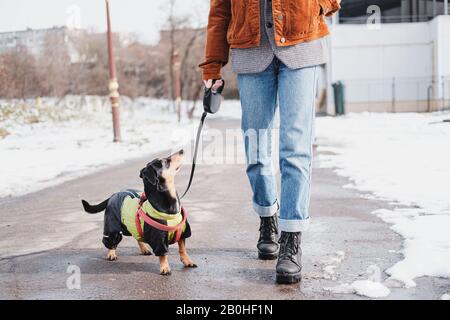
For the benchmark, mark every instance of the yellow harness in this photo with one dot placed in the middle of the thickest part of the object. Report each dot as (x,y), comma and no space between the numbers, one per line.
(130,207)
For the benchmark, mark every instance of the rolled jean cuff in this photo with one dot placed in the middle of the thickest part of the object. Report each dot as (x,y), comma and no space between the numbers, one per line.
(265,212)
(294,225)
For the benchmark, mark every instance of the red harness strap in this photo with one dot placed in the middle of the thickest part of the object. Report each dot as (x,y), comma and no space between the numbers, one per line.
(141,214)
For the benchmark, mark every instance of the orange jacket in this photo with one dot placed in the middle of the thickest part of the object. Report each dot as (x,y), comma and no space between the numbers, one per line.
(236,24)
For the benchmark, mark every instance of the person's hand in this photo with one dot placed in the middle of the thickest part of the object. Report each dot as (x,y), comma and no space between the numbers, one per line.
(209,83)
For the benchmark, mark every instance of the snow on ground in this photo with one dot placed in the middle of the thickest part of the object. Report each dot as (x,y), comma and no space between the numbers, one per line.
(366,288)
(405,159)
(331,264)
(230,109)
(372,287)
(61,140)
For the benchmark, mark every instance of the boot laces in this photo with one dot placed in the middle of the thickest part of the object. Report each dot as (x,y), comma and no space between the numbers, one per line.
(289,245)
(268,227)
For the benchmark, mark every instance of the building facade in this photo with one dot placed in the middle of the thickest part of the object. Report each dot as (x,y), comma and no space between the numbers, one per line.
(35,40)
(396,62)
(393,11)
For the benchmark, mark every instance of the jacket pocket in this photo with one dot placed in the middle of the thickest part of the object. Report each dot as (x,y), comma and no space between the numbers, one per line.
(301,15)
(239,28)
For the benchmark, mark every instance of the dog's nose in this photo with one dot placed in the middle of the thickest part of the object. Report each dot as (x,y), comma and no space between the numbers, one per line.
(181,152)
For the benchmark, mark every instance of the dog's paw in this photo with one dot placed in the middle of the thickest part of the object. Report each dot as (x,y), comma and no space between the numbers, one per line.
(165,271)
(188,263)
(111,256)
(145,250)
(164,266)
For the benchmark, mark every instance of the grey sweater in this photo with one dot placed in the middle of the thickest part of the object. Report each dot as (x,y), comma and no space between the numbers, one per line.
(257,59)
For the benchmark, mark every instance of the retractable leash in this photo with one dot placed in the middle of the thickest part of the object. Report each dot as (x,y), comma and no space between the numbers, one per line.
(211,104)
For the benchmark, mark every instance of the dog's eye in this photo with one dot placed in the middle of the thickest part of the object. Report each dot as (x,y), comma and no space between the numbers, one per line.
(157,164)
(167,163)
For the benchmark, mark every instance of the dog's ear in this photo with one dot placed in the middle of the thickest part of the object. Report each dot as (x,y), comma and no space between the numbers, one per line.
(149,175)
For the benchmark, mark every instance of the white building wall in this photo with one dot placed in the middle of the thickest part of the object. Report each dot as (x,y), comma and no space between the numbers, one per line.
(391,68)
(441,35)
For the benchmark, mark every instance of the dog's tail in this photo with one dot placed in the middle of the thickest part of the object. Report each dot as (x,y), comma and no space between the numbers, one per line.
(94,209)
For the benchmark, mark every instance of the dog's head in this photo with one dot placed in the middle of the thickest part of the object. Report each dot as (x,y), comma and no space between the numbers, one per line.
(159,175)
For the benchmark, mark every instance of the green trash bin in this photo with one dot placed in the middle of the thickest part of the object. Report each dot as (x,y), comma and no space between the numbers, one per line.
(339,99)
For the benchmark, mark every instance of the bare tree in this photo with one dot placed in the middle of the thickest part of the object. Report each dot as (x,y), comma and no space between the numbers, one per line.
(77,64)
(89,75)
(54,67)
(19,75)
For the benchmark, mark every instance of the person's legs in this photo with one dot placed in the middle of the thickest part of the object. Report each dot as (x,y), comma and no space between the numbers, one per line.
(258,94)
(297,96)
(297,93)
(259,101)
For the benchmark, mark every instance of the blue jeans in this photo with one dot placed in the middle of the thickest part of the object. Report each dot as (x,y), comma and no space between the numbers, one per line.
(295,92)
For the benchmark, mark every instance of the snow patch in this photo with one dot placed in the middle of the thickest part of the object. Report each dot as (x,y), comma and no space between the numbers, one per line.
(403,159)
(331,264)
(372,287)
(230,109)
(74,138)
(426,244)
(365,288)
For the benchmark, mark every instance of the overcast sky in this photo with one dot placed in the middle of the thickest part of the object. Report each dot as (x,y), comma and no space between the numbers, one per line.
(144,17)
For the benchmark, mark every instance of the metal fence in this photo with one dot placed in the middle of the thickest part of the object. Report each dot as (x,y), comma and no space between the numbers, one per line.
(387,19)
(398,94)
(446,92)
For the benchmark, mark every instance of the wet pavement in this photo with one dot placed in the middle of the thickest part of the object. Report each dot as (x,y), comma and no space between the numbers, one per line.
(46,235)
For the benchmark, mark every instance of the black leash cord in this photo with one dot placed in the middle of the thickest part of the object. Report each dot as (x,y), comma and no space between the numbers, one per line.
(194,161)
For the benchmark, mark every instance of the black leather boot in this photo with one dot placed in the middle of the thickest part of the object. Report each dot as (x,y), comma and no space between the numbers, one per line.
(268,234)
(289,266)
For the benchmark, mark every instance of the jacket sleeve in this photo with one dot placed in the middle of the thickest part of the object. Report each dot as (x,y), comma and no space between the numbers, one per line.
(330,7)
(217,47)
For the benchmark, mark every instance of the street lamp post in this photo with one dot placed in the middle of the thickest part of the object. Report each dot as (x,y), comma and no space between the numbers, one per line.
(113,83)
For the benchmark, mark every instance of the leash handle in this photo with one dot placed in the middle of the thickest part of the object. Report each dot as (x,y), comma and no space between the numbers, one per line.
(213,99)
(194,161)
